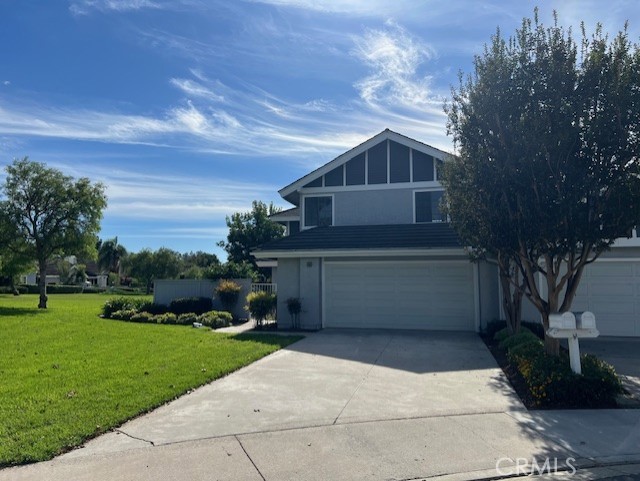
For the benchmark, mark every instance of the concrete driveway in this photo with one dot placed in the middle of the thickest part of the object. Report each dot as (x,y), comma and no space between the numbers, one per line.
(333,377)
(349,405)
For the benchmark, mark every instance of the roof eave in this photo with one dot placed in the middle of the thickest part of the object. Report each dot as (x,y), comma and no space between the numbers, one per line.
(389,252)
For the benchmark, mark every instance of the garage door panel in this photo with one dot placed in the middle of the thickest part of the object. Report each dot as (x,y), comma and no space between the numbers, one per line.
(404,295)
(611,290)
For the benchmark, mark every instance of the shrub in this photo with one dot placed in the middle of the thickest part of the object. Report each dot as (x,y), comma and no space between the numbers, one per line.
(185,305)
(261,305)
(124,314)
(13,290)
(552,382)
(294,306)
(524,336)
(187,318)
(228,293)
(143,316)
(215,319)
(123,303)
(166,318)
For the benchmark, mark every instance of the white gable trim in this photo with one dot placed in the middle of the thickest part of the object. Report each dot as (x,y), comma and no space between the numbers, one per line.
(342,159)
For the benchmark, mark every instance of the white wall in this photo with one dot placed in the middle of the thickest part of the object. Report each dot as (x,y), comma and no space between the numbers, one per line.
(166,290)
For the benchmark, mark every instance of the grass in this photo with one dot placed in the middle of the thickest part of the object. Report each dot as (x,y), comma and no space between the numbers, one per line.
(66,375)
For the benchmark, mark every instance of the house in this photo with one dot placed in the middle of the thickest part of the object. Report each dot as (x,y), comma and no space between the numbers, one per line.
(94,276)
(367,247)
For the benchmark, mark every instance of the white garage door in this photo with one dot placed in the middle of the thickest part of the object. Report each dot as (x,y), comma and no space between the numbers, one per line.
(400,295)
(611,290)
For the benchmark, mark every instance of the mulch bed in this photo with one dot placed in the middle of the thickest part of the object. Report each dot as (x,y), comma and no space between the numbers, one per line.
(513,375)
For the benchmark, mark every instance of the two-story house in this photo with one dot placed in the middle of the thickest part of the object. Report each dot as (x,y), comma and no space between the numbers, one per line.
(367,247)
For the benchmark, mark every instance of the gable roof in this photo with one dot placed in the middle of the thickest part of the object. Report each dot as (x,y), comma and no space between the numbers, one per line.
(386,134)
(366,237)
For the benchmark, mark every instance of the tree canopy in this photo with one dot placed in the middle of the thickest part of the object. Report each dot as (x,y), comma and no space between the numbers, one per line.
(148,265)
(248,230)
(547,172)
(110,255)
(51,213)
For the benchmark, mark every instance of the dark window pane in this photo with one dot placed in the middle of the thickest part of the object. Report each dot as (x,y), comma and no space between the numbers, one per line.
(423,206)
(378,164)
(422,167)
(315,183)
(294,227)
(428,206)
(439,165)
(436,215)
(334,177)
(317,211)
(398,162)
(355,170)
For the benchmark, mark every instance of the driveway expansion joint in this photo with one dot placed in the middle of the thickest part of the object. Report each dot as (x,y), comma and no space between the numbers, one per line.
(364,378)
(249,458)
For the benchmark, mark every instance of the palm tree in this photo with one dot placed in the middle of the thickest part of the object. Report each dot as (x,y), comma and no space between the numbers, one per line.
(110,256)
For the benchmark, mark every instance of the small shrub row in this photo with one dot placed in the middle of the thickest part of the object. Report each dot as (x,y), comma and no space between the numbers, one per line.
(54,289)
(212,319)
(128,303)
(13,290)
(493,327)
(184,305)
(550,379)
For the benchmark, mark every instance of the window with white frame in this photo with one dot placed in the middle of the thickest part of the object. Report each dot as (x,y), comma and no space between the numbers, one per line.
(318,211)
(427,207)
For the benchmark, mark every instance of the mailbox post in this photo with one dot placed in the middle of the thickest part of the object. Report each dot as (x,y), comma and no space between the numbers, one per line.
(572,326)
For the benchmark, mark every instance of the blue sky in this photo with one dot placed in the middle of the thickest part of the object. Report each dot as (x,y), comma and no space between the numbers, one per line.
(189,109)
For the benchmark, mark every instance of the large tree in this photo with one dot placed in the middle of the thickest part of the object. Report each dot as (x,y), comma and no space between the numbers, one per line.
(148,265)
(547,175)
(52,213)
(248,230)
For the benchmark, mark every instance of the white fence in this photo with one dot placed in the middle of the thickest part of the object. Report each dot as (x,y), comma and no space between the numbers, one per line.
(271,288)
(166,290)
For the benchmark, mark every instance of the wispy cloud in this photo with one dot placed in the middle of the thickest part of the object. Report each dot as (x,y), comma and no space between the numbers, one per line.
(395,57)
(193,88)
(364,8)
(138,195)
(84,7)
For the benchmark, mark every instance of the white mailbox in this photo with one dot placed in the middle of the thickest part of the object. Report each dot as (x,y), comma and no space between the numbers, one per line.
(585,320)
(562,320)
(572,326)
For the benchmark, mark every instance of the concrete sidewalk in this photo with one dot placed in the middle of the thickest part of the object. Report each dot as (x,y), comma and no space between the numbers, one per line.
(352,406)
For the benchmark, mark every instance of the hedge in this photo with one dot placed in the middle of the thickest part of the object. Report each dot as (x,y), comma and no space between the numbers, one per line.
(550,379)
(212,319)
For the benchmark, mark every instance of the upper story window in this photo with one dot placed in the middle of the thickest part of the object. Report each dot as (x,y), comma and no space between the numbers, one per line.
(427,207)
(318,211)
(293,227)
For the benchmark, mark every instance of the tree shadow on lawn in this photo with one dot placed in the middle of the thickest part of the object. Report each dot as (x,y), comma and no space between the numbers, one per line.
(20,311)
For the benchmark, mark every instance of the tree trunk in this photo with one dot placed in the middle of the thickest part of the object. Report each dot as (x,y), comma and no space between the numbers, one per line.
(551,345)
(42,283)
(511,302)
(148,287)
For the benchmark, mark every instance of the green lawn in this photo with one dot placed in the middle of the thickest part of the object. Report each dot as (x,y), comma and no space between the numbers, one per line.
(66,374)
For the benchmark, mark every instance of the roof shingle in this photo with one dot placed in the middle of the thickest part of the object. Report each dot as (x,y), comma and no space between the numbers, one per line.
(390,236)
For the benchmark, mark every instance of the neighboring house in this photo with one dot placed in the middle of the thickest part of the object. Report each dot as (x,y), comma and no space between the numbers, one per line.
(94,276)
(367,247)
